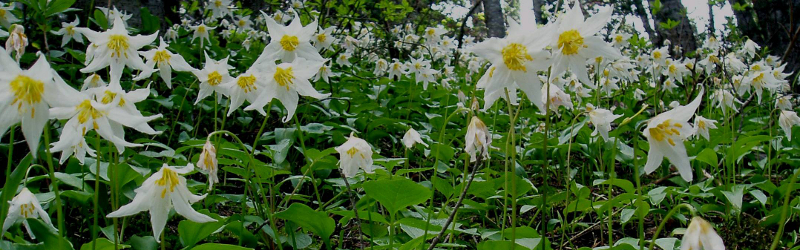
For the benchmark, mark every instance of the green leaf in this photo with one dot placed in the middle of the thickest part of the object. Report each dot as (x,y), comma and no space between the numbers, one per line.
(100,19)
(143,243)
(58,6)
(13,181)
(498,244)
(397,194)
(192,232)
(150,23)
(216,246)
(47,234)
(708,156)
(102,244)
(317,222)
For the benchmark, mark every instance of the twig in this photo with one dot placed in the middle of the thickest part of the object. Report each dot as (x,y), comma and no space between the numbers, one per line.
(458,204)
(581,233)
(355,212)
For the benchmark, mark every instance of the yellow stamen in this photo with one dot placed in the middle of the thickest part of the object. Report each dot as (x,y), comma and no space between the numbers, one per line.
(168,177)
(26,90)
(289,43)
(161,56)
(284,77)
(515,55)
(570,42)
(214,78)
(119,45)
(86,111)
(247,83)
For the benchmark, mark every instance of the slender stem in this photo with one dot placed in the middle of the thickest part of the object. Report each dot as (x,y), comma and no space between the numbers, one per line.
(458,204)
(355,211)
(310,161)
(784,212)
(513,165)
(96,192)
(435,171)
(8,167)
(54,180)
(546,168)
(664,221)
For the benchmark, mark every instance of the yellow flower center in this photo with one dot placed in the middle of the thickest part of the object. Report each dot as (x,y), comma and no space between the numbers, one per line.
(2,13)
(168,177)
(26,210)
(242,23)
(701,124)
(570,42)
(431,32)
(321,38)
(218,3)
(26,90)
(759,78)
(86,111)
(208,160)
(284,77)
(714,59)
(214,78)
(656,54)
(515,55)
(109,97)
(352,151)
(618,39)
(70,30)
(672,69)
(161,56)
(289,43)
(606,72)
(756,67)
(247,83)
(119,45)
(201,29)
(665,130)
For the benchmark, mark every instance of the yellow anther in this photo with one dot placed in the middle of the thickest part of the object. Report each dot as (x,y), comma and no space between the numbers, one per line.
(515,55)
(570,42)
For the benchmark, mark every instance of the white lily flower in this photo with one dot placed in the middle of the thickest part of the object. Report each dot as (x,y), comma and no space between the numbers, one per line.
(325,72)
(784,102)
(17,41)
(68,32)
(558,98)
(620,40)
(355,153)
(6,17)
(201,31)
(208,163)
(219,8)
(212,76)
(478,140)
(244,87)
(701,235)
(426,76)
(289,42)
(166,61)
(702,125)
(412,137)
(515,59)
(115,48)
(750,48)
(344,59)
(114,13)
(324,39)
(243,23)
(787,120)
(725,100)
(285,82)
(24,206)
(666,133)
(639,94)
(574,42)
(381,66)
(159,193)
(26,96)
(397,69)
(601,119)
(761,80)
(660,56)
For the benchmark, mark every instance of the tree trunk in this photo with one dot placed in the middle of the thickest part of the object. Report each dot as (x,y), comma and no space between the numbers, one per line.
(682,34)
(711,28)
(774,28)
(641,12)
(494,18)
(160,9)
(538,13)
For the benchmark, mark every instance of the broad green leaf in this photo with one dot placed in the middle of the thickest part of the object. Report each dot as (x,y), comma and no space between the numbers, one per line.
(498,244)
(317,222)
(47,234)
(708,156)
(102,244)
(13,181)
(397,194)
(143,243)
(192,232)
(58,6)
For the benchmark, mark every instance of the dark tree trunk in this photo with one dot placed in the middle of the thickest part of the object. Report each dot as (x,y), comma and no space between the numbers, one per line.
(494,18)
(255,5)
(537,11)
(770,24)
(681,35)
(641,12)
(164,10)
(711,28)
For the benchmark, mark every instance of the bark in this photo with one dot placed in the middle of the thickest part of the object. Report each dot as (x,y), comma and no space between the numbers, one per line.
(494,18)
(773,24)
(681,35)
(163,10)
(537,11)
(711,28)
(641,12)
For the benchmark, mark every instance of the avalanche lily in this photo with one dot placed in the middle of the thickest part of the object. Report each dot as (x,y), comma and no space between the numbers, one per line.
(24,206)
(355,153)
(159,193)
(166,61)
(666,133)
(285,82)
(115,48)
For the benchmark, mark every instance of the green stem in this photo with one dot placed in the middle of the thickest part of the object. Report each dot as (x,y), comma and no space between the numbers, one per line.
(784,213)
(8,169)
(96,192)
(664,221)
(54,180)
